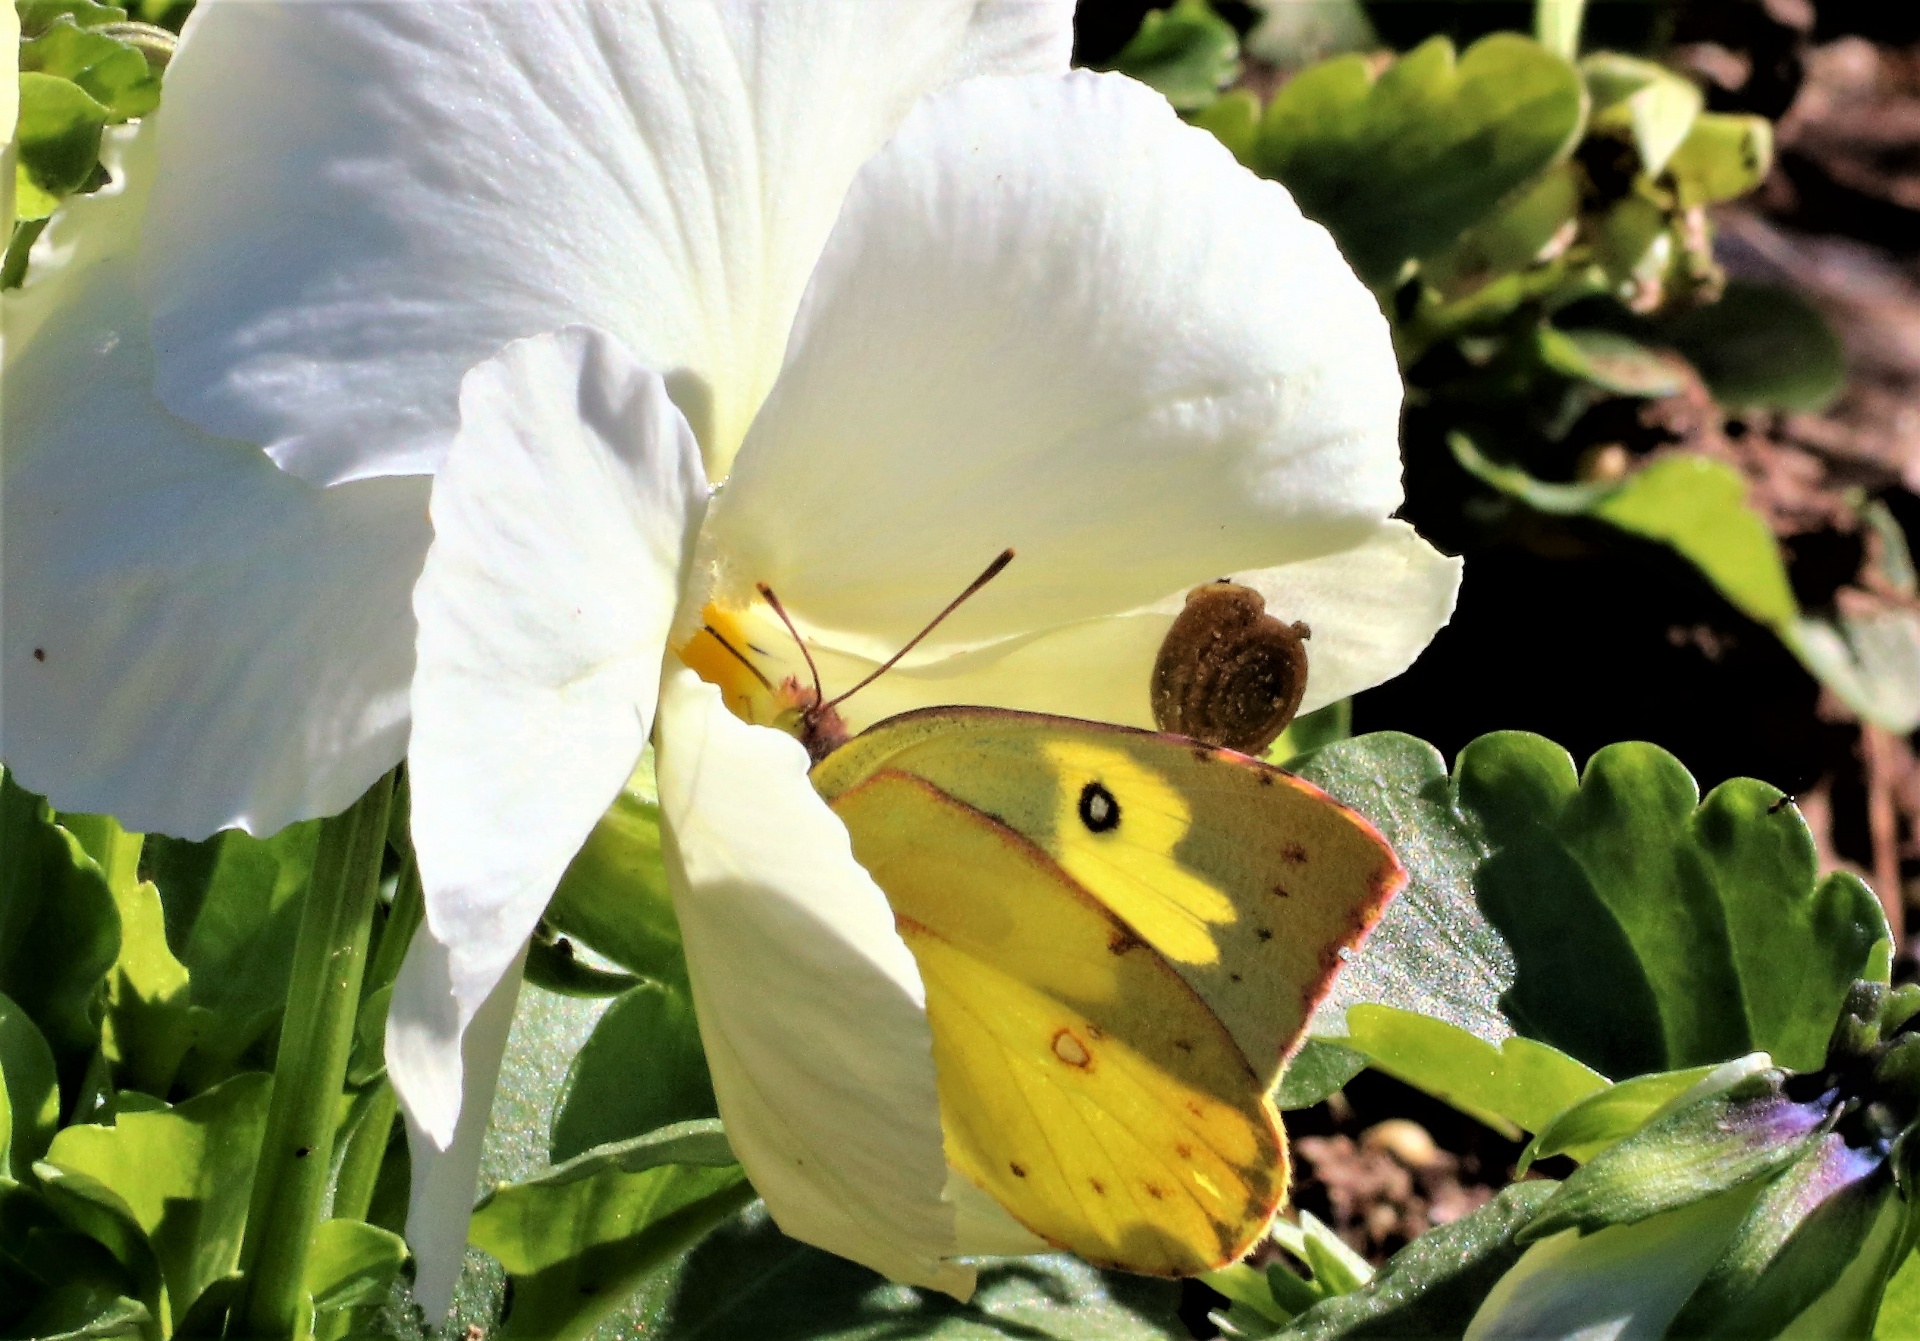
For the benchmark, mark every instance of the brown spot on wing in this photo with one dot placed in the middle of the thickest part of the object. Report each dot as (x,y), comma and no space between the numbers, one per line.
(1280,892)
(1294,853)
(1124,940)
(1264,933)
(1017,1170)
(1099,1187)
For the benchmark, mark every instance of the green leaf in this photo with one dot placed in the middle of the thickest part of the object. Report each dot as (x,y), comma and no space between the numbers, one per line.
(1612,1114)
(184,1174)
(1647,931)
(59,927)
(614,896)
(93,1209)
(36,16)
(121,1317)
(1634,916)
(114,74)
(58,140)
(577,1240)
(1323,726)
(1798,940)
(232,908)
(1317,1070)
(642,1068)
(31,1111)
(553,964)
(149,1024)
(1434,1285)
(1434,951)
(1763,347)
(1722,158)
(1699,507)
(1519,1086)
(1556,500)
(1612,362)
(1747,1131)
(1234,119)
(352,1264)
(1534,221)
(1869,658)
(1401,166)
(1852,1302)
(1652,105)
(1188,52)
(749,1280)
(1900,1307)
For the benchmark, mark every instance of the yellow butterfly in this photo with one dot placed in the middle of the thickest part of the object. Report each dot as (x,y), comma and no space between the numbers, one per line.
(1123,935)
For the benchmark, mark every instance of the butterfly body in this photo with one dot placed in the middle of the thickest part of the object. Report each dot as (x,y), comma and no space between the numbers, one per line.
(1123,935)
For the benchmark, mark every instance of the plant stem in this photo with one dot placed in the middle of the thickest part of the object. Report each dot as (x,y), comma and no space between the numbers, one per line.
(1556,24)
(371,1130)
(316,1037)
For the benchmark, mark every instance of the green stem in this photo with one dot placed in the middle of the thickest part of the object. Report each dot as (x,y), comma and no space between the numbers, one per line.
(316,1037)
(1556,24)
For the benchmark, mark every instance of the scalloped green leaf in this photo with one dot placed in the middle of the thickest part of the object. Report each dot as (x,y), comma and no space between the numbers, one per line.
(352,1264)
(1400,166)
(1648,930)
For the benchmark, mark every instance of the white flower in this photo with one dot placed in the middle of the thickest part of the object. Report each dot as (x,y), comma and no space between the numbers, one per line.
(915,293)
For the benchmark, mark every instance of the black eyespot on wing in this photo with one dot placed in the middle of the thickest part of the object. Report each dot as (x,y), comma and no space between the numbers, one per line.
(1099,811)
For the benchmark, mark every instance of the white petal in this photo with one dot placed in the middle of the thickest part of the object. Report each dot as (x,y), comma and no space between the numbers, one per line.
(1372,609)
(1015,37)
(810,1006)
(360,201)
(445,1172)
(562,522)
(1054,317)
(193,639)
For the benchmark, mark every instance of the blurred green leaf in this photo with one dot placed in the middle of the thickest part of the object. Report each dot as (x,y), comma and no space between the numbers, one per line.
(101,1214)
(113,73)
(1234,119)
(1434,951)
(184,1174)
(1401,166)
(553,964)
(1612,362)
(1699,507)
(1763,347)
(58,142)
(614,896)
(1900,1307)
(31,1100)
(1516,236)
(1434,1285)
(1650,104)
(36,16)
(59,927)
(1519,1086)
(748,1279)
(1188,52)
(56,1320)
(1722,158)
(642,1068)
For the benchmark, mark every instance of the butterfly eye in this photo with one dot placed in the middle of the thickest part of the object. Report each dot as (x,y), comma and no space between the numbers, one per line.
(1098,810)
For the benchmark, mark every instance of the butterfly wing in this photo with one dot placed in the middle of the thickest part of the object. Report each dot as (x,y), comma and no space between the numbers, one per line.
(1251,883)
(1082,1083)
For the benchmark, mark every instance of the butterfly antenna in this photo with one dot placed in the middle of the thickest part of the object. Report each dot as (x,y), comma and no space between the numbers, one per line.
(987,575)
(739,656)
(819,694)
